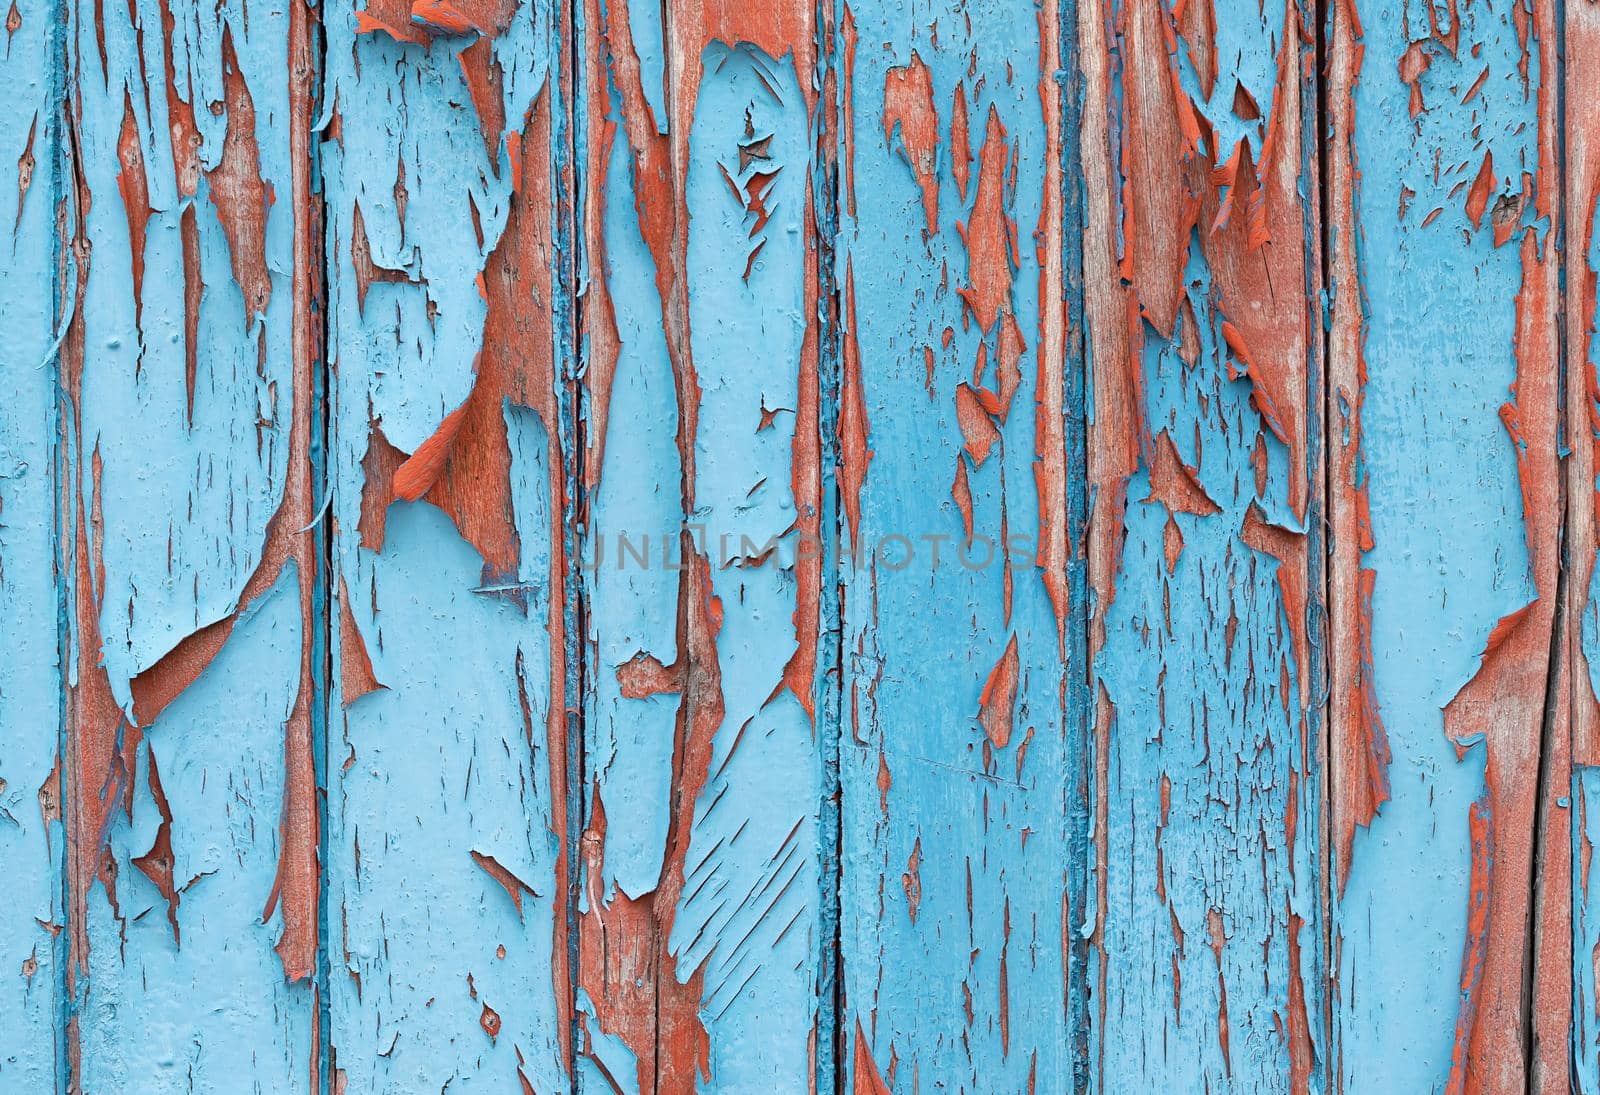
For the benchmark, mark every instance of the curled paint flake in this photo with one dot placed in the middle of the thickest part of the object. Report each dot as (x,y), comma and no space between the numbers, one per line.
(908,111)
(238,191)
(998,699)
(356,676)
(502,874)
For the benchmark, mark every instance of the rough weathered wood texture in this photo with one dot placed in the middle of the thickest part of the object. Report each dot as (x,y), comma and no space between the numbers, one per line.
(1580,612)
(1201,281)
(702,898)
(955,747)
(1451,773)
(449,458)
(983,545)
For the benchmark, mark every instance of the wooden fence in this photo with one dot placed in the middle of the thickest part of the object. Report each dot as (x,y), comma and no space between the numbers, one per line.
(762,546)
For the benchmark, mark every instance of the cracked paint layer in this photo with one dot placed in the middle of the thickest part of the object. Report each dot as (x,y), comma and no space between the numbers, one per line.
(709,546)
(450,456)
(701,890)
(1452,119)
(953,741)
(1201,261)
(184,532)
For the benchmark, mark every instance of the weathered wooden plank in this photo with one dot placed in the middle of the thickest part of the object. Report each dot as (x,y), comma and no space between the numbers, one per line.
(956,621)
(1581,202)
(32,948)
(185,547)
(1453,907)
(448,834)
(1201,272)
(702,891)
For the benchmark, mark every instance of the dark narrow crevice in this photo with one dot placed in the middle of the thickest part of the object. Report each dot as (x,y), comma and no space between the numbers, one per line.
(324,593)
(1321,553)
(1548,733)
(831,1051)
(1078,715)
(574,523)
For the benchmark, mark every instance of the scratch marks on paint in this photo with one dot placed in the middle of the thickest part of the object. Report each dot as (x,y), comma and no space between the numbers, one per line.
(695,860)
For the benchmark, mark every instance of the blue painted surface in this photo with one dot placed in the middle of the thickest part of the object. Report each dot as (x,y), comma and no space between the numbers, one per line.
(589,821)
(31,839)
(954,866)
(440,980)
(215,996)
(1450,548)
(178,505)
(746,926)
(1207,947)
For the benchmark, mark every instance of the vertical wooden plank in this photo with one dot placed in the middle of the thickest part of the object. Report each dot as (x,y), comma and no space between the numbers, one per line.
(32,950)
(187,548)
(1581,150)
(702,888)
(450,457)
(956,619)
(1453,908)
(1201,275)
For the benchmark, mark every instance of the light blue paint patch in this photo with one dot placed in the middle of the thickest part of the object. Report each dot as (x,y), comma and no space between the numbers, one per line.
(1450,553)
(752,888)
(166,1014)
(32,957)
(633,606)
(456,209)
(185,505)
(438,765)
(647,24)
(536,525)
(407,111)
